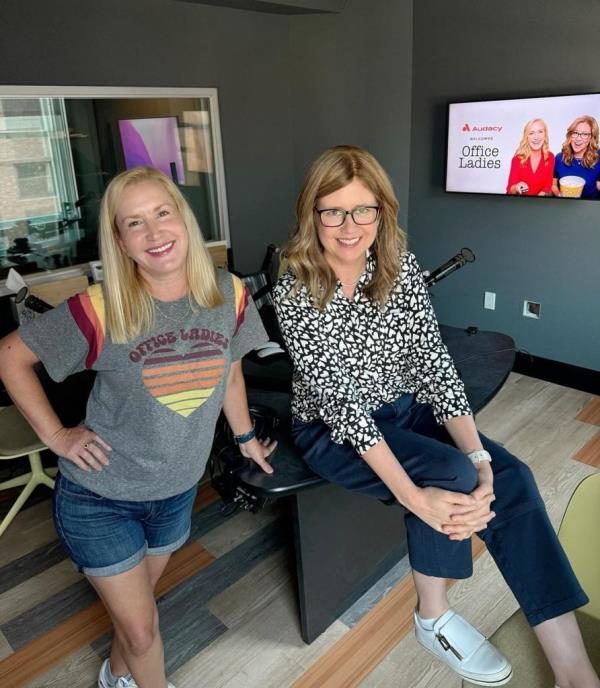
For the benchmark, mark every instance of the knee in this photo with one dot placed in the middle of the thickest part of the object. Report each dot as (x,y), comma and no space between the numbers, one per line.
(462,472)
(139,636)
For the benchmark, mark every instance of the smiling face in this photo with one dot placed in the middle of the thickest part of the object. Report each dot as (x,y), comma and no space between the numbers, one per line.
(580,138)
(536,135)
(345,247)
(152,233)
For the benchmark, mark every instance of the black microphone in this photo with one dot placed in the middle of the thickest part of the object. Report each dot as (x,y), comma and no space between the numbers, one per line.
(465,255)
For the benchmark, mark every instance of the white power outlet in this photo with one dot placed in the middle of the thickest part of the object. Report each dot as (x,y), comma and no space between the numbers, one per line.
(489,300)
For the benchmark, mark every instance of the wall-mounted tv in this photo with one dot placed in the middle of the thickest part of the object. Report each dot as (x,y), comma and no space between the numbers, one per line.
(153,141)
(525,147)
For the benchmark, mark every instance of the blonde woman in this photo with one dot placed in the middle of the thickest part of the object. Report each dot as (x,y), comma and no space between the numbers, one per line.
(532,166)
(165,335)
(379,408)
(580,157)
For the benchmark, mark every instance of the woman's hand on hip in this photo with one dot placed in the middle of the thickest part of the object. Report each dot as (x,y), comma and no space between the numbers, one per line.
(259,451)
(462,526)
(82,446)
(436,507)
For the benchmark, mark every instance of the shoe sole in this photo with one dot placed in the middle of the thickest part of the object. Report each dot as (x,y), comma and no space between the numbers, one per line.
(472,679)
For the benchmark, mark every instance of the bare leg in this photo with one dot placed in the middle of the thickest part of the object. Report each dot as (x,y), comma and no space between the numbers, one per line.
(561,641)
(155,567)
(129,599)
(431,594)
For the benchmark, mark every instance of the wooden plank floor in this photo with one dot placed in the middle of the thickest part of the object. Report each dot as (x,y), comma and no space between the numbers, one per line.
(590,452)
(42,653)
(590,413)
(228,601)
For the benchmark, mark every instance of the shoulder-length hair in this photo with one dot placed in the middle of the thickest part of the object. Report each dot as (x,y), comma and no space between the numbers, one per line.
(334,169)
(128,302)
(524,149)
(590,157)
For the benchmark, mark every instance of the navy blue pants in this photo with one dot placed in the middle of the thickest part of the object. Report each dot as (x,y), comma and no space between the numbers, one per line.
(520,537)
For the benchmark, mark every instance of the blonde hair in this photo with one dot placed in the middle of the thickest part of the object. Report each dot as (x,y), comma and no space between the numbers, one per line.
(590,157)
(524,149)
(128,302)
(334,169)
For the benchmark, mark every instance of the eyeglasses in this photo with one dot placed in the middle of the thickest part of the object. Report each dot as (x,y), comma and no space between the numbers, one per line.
(335,217)
(580,135)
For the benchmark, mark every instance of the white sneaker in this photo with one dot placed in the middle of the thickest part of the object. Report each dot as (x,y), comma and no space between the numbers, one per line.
(465,650)
(126,681)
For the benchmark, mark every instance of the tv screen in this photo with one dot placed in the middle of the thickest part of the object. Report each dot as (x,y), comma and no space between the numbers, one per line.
(153,141)
(525,147)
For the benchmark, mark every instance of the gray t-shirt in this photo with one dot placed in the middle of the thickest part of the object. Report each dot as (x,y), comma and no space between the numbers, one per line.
(156,399)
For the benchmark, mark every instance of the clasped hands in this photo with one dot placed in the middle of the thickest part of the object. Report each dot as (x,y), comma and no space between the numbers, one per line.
(455,514)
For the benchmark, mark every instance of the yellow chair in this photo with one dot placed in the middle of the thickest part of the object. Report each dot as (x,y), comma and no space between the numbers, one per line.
(580,536)
(17,439)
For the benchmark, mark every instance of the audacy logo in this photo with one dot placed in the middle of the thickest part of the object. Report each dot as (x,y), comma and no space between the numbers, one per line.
(467,127)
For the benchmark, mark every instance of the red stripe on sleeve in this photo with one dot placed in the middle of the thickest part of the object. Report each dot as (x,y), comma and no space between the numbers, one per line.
(89,324)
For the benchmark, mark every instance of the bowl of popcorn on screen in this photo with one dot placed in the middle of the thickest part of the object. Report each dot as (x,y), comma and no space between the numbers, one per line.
(571,187)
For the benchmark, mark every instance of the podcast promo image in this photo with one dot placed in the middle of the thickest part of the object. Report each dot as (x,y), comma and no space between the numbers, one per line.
(527,146)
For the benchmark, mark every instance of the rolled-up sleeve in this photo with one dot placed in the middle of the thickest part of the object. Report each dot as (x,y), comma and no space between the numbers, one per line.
(57,339)
(320,376)
(438,381)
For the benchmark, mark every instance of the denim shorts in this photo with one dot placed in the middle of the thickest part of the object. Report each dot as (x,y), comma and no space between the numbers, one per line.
(105,537)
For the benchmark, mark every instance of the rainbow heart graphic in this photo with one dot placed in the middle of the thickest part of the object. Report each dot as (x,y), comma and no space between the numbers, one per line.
(183,382)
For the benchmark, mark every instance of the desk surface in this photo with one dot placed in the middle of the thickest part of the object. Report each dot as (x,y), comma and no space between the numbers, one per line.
(483,360)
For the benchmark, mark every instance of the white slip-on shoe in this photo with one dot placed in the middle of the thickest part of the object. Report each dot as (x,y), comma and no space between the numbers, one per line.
(465,650)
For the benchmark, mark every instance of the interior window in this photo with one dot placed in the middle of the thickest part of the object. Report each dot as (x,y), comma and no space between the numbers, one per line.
(58,154)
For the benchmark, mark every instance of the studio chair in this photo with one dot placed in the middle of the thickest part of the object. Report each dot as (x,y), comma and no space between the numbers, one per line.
(580,536)
(260,284)
(17,439)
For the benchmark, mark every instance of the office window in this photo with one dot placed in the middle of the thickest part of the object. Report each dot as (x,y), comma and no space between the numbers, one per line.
(34,179)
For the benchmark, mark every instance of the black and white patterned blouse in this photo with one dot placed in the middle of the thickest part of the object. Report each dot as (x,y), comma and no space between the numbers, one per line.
(352,357)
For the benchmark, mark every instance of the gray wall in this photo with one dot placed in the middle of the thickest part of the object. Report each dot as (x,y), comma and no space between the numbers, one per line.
(541,249)
(291,86)
(166,43)
(351,79)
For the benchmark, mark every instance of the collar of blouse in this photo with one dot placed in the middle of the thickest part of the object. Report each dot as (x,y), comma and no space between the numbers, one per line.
(364,279)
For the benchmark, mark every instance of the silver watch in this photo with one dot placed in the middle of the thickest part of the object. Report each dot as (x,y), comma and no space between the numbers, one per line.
(479,455)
